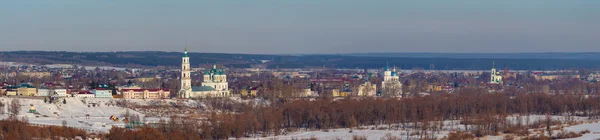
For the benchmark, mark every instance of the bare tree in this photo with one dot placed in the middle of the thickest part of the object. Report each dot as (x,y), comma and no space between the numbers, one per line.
(2,106)
(392,89)
(15,107)
(367,90)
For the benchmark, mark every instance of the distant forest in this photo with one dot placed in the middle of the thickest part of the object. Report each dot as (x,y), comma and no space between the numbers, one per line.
(426,61)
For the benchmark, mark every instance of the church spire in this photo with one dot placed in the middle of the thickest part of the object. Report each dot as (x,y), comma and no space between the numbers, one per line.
(185,52)
(387,66)
(493,64)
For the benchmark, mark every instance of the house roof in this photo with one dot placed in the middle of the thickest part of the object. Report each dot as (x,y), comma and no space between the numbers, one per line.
(254,88)
(20,86)
(26,85)
(85,92)
(141,90)
(203,88)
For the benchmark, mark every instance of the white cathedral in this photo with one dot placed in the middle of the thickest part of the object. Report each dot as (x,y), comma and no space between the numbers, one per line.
(214,83)
(391,78)
(495,76)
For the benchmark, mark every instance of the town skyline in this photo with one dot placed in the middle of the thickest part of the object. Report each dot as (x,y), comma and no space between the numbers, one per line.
(300,69)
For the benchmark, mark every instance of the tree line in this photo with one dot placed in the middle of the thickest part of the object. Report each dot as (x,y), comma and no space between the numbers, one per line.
(13,129)
(480,112)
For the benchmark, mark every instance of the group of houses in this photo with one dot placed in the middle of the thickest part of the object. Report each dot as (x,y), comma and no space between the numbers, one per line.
(101,91)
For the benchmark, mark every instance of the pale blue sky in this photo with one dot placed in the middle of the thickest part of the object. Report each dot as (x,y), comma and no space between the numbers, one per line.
(301,26)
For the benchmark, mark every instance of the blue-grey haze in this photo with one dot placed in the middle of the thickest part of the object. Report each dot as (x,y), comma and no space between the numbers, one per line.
(301,26)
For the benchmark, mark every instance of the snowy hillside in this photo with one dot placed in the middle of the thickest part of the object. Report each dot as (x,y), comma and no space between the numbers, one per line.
(74,112)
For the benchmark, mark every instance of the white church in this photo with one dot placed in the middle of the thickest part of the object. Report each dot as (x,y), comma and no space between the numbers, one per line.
(391,78)
(495,76)
(214,83)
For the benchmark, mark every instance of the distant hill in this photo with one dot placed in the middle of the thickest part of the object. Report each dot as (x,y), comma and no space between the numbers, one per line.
(549,55)
(448,61)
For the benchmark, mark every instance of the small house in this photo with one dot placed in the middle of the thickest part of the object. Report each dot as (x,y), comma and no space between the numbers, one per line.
(85,94)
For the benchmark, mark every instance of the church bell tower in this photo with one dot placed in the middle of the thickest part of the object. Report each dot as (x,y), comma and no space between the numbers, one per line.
(186,81)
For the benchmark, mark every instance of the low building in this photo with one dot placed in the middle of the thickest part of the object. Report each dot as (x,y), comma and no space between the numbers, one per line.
(26,90)
(367,89)
(244,92)
(60,92)
(338,93)
(132,86)
(144,79)
(36,74)
(43,92)
(84,94)
(52,89)
(552,77)
(145,93)
(102,93)
(254,91)
(11,92)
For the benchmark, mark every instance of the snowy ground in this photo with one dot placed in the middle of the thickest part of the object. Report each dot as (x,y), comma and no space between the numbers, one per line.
(344,134)
(74,113)
(449,126)
(593,127)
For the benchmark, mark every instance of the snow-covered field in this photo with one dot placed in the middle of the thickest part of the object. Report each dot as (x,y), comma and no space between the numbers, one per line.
(345,134)
(593,127)
(74,113)
(449,126)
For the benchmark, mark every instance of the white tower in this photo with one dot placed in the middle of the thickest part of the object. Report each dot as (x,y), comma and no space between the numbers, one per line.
(186,81)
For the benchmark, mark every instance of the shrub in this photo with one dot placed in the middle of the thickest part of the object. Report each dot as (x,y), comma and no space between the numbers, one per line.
(460,135)
(389,136)
(509,137)
(566,135)
(355,137)
(537,138)
(585,131)
(518,130)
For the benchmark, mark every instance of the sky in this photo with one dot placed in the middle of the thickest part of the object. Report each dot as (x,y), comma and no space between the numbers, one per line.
(301,26)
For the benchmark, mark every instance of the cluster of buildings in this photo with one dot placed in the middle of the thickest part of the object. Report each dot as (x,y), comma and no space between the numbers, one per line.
(215,84)
(102,91)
